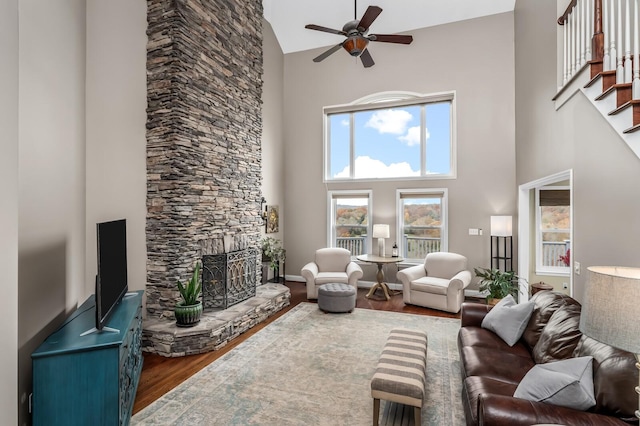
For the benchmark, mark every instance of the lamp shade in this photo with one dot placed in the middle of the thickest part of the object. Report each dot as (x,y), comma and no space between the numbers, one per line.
(381,231)
(501,226)
(611,307)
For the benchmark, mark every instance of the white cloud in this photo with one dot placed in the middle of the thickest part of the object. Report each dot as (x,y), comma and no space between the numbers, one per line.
(345,123)
(367,167)
(413,136)
(392,121)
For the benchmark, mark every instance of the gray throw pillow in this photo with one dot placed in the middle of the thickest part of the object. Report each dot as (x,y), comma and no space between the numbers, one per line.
(508,319)
(567,383)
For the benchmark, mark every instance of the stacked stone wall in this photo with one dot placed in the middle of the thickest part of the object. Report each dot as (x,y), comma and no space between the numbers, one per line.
(204,90)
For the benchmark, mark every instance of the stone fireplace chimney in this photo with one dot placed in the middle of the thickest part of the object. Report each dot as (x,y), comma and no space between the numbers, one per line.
(204,125)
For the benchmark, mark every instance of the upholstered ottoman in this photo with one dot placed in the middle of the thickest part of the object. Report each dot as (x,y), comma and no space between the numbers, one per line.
(336,297)
(401,372)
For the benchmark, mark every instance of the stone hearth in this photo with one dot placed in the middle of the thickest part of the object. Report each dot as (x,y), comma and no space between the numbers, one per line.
(217,328)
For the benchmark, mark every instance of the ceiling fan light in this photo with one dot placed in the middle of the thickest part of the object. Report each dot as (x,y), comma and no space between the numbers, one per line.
(355,45)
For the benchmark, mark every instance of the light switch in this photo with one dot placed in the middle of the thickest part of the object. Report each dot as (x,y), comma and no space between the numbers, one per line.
(473,231)
(576,268)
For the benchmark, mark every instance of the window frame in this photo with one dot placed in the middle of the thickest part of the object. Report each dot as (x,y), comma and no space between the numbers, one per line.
(359,193)
(443,194)
(558,271)
(384,100)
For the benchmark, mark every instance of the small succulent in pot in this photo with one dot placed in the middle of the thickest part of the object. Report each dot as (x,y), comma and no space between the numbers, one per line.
(189,311)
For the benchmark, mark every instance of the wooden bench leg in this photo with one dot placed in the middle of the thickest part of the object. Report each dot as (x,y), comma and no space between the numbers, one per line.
(376,411)
(417,414)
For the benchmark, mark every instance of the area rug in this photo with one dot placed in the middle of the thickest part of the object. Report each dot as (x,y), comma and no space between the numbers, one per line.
(313,368)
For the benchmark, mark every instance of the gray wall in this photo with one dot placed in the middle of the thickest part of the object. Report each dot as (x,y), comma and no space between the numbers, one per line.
(116,98)
(475,58)
(606,194)
(9,210)
(51,231)
(273,166)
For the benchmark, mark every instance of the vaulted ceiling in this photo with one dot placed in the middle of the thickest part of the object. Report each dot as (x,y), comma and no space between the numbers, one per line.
(288,17)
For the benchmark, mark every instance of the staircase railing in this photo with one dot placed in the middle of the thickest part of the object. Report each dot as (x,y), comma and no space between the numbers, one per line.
(600,32)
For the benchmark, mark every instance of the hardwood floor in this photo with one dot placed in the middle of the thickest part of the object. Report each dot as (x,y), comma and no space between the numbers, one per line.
(161,374)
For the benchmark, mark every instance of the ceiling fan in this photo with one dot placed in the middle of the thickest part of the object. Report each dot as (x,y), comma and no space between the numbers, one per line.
(356,41)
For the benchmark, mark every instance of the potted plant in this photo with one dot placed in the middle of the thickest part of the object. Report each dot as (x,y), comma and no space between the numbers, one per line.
(273,253)
(189,310)
(499,284)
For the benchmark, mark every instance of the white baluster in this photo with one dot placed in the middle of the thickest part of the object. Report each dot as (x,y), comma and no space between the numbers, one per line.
(581,28)
(620,67)
(627,43)
(565,54)
(588,10)
(606,61)
(635,91)
(612,31)
(573,42)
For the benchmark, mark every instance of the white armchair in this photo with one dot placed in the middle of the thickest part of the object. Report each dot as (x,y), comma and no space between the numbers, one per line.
(331,265)
(438,284)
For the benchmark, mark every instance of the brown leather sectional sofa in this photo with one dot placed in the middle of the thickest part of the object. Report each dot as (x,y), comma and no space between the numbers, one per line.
(492,370)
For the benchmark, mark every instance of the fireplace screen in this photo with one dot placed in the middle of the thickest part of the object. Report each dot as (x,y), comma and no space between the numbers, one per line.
(228,278)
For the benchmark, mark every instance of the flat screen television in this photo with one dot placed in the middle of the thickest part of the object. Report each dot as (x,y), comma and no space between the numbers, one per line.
(111,280)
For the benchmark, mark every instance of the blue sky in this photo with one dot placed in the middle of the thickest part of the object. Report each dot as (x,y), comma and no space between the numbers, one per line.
(387,142)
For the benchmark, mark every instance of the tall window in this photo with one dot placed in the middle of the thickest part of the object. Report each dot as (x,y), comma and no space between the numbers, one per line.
(350,220)
(390,139)
(553,234)
(422,222)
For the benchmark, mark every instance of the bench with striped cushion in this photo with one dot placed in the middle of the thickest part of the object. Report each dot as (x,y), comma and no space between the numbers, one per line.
(401,372)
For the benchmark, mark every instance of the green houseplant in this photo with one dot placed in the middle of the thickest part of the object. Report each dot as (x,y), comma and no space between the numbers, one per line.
(273,252)
(498,283)
(189,310)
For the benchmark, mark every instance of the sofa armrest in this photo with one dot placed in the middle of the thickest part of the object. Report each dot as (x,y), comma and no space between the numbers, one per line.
(354,273)
(412,273)
(501,410)
(309,272)
(472,314)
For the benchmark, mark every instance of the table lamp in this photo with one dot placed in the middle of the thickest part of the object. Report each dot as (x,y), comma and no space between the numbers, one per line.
(381,231)
(611,309)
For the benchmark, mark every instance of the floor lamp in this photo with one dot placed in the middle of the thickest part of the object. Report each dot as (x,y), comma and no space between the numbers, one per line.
(611,309)
(502,242)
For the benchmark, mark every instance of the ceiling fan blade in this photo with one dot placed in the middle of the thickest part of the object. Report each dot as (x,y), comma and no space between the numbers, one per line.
(366,58)
(325,29)
(367,19)
(391,38)
(329,52)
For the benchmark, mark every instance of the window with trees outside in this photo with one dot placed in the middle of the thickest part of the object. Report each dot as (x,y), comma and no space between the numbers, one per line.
(350,220)
(391,137)
(422,222)
(553,236)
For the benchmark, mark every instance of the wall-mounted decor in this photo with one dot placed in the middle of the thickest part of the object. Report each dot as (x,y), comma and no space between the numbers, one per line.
(273,219)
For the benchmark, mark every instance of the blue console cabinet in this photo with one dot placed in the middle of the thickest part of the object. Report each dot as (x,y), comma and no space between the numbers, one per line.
(92,379)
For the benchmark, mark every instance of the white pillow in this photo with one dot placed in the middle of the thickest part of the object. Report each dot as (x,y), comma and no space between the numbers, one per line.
(508,319)
(567,383)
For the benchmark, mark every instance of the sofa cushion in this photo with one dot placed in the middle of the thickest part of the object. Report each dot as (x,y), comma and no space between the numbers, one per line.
(508,319)
(477,336)
(444,264)
(546,303)
(431,285)
(567,383)
(331,277)
(614,377)
(560,337)
(491,363)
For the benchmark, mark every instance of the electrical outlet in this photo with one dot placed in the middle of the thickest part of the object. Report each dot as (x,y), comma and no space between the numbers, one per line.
(576,268)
